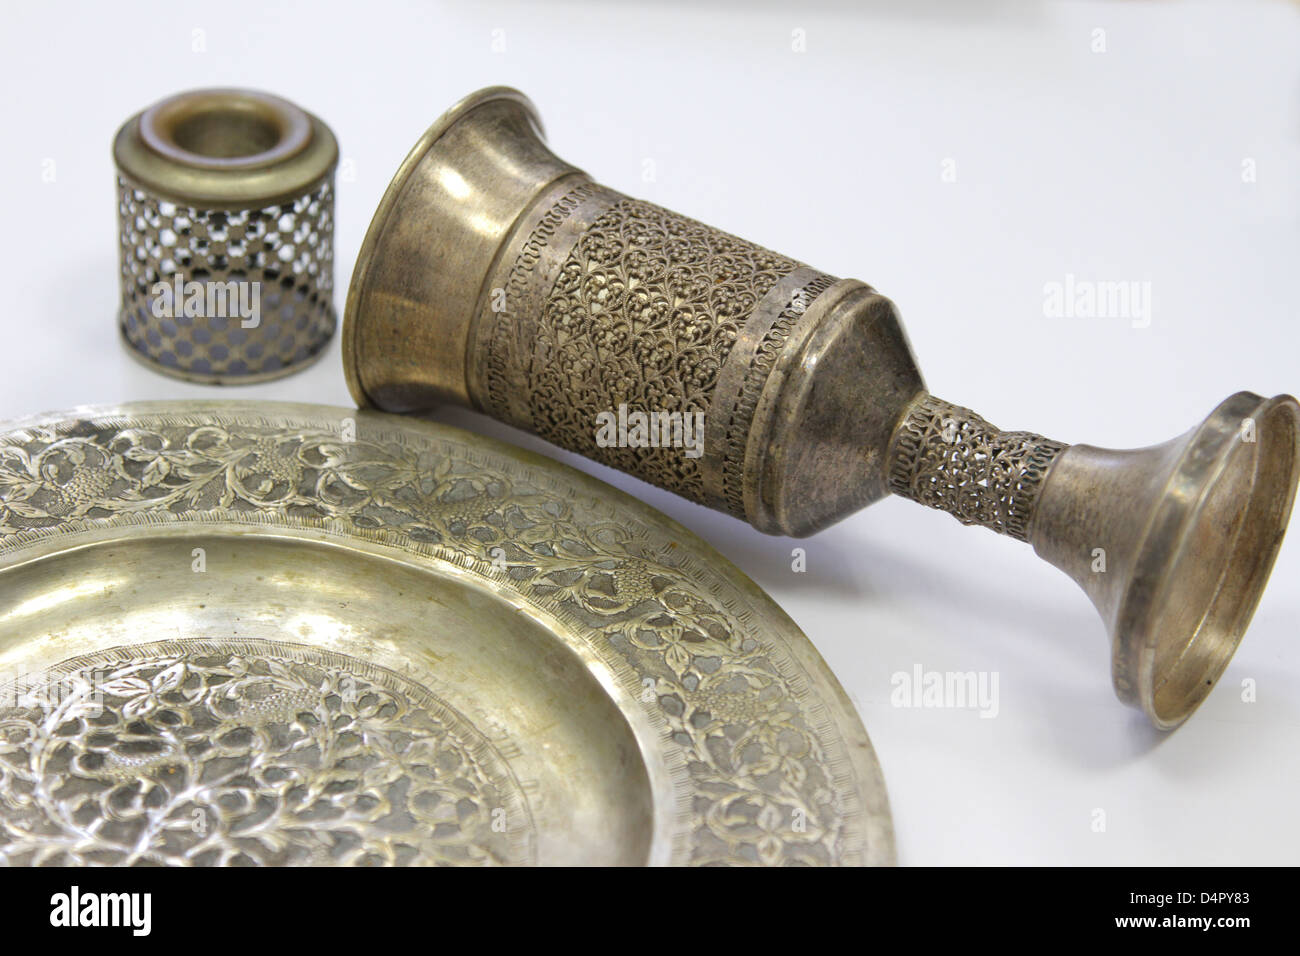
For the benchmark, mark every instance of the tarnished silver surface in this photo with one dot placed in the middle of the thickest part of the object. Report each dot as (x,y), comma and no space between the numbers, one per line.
(949,458)
(258,633)
(225,202)
(498,276)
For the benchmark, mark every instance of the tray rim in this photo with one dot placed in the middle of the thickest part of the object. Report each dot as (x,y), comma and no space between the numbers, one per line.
(870,795)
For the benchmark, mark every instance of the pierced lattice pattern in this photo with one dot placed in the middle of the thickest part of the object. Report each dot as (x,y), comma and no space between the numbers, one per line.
(947,457)
(644,313)
(282,255)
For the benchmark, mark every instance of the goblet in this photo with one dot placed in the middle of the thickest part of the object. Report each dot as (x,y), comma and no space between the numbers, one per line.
(497,276)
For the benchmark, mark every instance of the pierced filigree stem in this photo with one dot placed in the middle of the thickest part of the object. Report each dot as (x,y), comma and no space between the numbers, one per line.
(947,457)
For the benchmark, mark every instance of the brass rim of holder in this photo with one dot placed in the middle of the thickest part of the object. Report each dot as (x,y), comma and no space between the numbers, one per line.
(226,149)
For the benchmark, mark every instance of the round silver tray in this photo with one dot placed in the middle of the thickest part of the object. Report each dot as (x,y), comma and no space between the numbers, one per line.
(252,633)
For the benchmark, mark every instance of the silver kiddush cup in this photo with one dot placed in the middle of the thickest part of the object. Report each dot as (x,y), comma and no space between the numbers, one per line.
(497,276)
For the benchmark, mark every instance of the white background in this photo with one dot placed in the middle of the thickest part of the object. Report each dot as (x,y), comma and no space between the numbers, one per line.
(1119,165)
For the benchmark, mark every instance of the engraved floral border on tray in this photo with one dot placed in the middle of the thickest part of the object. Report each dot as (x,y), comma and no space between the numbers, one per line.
(770,764)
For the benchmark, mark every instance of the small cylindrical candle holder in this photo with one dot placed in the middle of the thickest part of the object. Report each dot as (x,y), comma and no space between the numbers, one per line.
(226,227)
